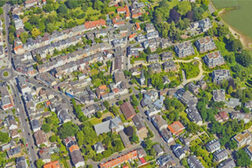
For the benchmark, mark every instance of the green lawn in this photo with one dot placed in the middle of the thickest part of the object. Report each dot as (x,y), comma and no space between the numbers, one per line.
(191,69)
(5,73)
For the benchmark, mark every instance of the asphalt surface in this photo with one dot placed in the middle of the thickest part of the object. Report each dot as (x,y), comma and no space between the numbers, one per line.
(6,78)
(157,137)
(26,129)
(19,103)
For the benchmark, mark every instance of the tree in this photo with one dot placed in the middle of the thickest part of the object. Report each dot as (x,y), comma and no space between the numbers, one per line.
(72,4)
(1,10)
(50,27)
(106,104)
(68,129)
(234,44)
(80,137)
(28,26)
(35,32)
(242,159)
(39,163)
(134,101)
(174,15)
(24,36)
(34,20)
(98,114)
(197,13)
(4,137)
(46,127)
(62,9)
(184,7)
(244,58)
(53,138)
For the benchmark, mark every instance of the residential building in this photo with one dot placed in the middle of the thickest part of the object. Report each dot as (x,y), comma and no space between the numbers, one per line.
(14,152)
(54,164)
(229,163)
(155,68)
(76,156)
(248,105)
(187,98)
(169,66)
(222,116)
(11,123)
(130,156)
(176,128)
(246,117)
(127,110)
(248,150)
(193,88)
(179,151)
(21,162)
(119,77)
(45,155)
(140,126)
(159,122)
(152,35)
(40,138)
(30,3)
(243,139)
(114,125)
(205,44)
(165,43)
(142,78)
(213,146)
(193,115)
(214,59)
(166,135)
(201,26)
(233,102)
(98,147)
(194,162)
(35,125)
(125,139)
(219,95)
(220,155)
(153,58)
(184,49)
(166,160)
(149,28)
(89,25)
(159,151)
(166,56)
(6,99)
(220,75)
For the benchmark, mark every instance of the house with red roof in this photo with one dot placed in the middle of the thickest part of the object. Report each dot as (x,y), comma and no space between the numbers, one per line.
(89,25)
(54,164)
(124,10)
(222,116)
(176,128)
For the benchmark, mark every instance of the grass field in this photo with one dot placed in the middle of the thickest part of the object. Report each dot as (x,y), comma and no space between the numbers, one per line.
(240,15)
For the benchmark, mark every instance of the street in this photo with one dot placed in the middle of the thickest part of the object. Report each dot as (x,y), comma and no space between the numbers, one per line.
(26,129)
(157,137)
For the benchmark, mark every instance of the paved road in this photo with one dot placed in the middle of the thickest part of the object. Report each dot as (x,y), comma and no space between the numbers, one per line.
(157,137)
(6,9)
(26,129)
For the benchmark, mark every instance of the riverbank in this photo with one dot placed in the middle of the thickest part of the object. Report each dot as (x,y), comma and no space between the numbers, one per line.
(245,40)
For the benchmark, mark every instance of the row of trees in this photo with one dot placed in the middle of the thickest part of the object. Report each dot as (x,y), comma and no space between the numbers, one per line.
(57,12)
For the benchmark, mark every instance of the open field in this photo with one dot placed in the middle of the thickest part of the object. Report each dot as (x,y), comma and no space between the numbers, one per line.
(237,14)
